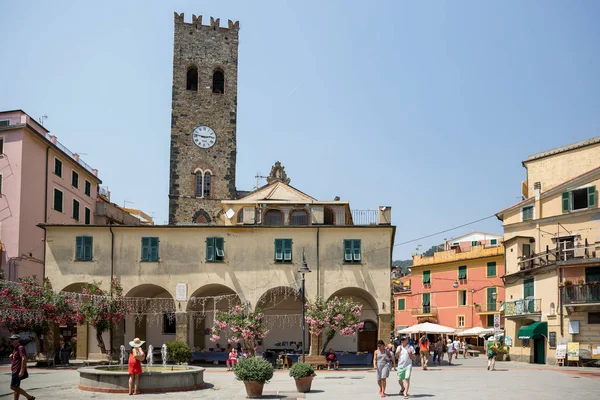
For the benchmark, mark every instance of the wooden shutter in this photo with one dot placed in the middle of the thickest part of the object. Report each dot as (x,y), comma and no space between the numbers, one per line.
(426,299)
(462,272)
(347,250)
(219,248)
(145,248)
(87,247)
(210,249)
(491,269)
(79,248)
(528,289)
(279,250)
(154,249)
(491,303)
(592,196)
(356,250)
(566,202)
(426,277)
(287,250)
(401,304)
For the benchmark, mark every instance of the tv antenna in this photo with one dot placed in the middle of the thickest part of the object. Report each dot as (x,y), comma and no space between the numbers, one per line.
(258,176)
(43,118)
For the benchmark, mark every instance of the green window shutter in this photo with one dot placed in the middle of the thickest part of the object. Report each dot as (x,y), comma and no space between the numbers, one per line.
(220,249)
(401,304)
(592,196)
(154,249)
(79,248)
(426,277)
(566,202)
(491,269)
(347,250)
(462,272)
(426,299)
(356,254)
(491,303)
(528,289)
(88,244)
(210,249)
(494,242)
(592,274)
(278,250)
(287,250)
(490,320)
(145,248)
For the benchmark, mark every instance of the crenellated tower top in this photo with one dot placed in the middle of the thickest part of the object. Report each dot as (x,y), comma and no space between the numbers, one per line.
(214,23)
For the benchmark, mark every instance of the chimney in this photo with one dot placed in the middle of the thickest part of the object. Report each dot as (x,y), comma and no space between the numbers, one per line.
(384,215)
(53,139)
(537,208)
(76,157)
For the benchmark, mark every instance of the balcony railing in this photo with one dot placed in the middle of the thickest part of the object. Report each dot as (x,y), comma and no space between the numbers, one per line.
(522,307)
(581,294)
(70,154)
(364,217)
(424,310)
(401,288)
(491,307)
(564,251)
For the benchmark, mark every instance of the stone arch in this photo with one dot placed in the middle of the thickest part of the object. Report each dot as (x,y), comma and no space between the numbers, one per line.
(75,287)
(328,216)
(201,217)
(218,81)
(299,216)
(282,306)
(191,81)
(273,216)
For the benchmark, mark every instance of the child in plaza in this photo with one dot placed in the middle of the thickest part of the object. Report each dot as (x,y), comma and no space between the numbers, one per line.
(382,362)
(232,359)
(406,355)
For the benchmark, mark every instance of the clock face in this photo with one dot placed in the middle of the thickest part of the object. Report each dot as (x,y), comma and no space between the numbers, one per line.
(204,137)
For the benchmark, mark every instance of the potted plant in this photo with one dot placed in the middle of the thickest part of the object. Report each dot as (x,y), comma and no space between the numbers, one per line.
(501,352)
(179,352)
(303,374)
(568,283)
(580,282)
(254,372)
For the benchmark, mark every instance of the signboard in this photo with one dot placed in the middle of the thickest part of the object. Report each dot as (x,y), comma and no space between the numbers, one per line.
(552,339)
(561,351)
(574,327)
(181,292)
(496,321)
(573,351)
(508,341)
(596,352)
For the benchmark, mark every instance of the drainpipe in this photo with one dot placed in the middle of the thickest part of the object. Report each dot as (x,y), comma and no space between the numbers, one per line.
(112,258)
(318,275)
(45,212)
(560,304)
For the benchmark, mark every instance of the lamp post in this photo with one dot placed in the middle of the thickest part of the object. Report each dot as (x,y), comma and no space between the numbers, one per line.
(303,269)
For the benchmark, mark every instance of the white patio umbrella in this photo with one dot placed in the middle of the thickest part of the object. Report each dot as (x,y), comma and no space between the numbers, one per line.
(476,331)
(428,327)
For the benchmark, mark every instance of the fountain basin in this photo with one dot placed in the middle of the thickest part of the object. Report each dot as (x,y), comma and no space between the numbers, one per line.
(116,380)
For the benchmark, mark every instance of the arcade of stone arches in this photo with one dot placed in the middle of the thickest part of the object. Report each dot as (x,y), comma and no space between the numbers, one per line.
(157,318)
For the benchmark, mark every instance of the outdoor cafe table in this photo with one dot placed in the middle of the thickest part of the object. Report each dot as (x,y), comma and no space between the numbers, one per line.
(210,356)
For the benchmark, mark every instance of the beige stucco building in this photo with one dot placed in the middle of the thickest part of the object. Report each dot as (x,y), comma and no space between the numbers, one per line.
(552,242)
(252,255)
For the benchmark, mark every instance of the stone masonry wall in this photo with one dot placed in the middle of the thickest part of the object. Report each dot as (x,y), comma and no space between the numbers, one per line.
(207,47)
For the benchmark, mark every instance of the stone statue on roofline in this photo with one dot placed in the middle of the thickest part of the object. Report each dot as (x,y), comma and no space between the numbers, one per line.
(278,174)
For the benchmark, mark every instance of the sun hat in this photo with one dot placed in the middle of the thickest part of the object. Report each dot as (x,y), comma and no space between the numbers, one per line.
(15,337)
(137,342)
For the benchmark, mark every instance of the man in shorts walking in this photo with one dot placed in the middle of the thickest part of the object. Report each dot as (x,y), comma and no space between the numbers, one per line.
(18,368)
(406,355)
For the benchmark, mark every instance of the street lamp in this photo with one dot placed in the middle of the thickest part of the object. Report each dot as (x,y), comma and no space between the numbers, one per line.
(303,270)
(455,284)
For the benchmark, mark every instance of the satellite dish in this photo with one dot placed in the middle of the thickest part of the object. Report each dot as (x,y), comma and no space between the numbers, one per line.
(230,213)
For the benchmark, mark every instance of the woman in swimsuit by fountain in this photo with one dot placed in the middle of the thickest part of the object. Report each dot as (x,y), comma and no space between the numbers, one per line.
(135,365)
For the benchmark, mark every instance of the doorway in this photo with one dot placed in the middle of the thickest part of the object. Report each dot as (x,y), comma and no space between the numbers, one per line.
(539,351)
(367,338)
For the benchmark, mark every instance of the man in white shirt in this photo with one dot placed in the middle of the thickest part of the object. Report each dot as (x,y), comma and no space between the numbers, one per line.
(456,345)
(405,355)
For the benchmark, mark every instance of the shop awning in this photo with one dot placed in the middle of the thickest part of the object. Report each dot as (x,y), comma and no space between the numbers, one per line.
(533,331)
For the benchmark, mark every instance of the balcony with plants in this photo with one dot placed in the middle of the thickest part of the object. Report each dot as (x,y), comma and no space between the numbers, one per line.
(522,308)
(580,293)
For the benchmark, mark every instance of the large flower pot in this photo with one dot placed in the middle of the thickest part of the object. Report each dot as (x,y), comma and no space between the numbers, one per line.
(254,389)
(500,357)
(303,384)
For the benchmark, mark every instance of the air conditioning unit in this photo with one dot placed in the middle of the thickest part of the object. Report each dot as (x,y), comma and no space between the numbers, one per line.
(579,252)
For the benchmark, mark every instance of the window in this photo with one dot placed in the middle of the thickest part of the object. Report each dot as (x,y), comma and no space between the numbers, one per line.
(401,304)
(462,297)
(328,217)
(592,274)
(206,191)
(494,242)
(579,199)
(192,79)
(58,167)
(490,320)
(426,303)
(215,249)
(240,216)
(198,184)
(88,188)
(528,288)
(352,253)
(474,243)
(491,269)
(5,122)
(273,217)
(58,200)
(0,184)
(527,213)
(427,277)
(75,210)
(594,318)
(83,248)
(526,248)
(169,324)
(1,145)
(462,272)
(75,179)
(299,217)
(218,82)
(149,249)
(88,216)
(525,342)
(461,321)
(491,299)
(283,250)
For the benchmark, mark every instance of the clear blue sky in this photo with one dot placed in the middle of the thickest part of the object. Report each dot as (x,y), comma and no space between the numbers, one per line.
(428,107)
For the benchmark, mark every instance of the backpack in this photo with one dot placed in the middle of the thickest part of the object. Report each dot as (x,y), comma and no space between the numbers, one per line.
(424,340)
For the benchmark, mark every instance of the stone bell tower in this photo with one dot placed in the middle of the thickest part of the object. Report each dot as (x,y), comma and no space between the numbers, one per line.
(203,119)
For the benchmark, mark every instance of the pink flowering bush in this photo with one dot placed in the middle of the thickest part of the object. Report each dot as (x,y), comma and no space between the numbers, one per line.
(243,325)
(334,316)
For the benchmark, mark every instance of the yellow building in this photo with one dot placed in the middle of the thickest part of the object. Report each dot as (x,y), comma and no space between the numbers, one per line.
(552,254)
(251,256)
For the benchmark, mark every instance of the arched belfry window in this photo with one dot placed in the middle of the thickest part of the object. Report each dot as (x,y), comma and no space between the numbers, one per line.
(273,217)
(299,217)
(199,184)
(207,177)
(218,85)
(192,79)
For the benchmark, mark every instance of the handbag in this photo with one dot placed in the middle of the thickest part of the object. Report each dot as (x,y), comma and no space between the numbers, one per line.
(25,375)
(139,356)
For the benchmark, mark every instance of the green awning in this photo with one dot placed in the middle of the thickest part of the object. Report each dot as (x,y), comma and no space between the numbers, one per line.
(533,331)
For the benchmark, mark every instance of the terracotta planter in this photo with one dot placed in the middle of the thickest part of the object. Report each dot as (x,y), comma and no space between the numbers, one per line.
(254,389)
(499,357)
(303,384)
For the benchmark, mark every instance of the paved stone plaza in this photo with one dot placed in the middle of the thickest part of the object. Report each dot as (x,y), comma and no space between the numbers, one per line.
(469,380)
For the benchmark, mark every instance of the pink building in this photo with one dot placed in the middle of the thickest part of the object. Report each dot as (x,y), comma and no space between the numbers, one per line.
(41,181)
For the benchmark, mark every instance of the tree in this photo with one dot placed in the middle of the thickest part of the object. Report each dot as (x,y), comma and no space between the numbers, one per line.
(334,316)
(101,309)
(243,325)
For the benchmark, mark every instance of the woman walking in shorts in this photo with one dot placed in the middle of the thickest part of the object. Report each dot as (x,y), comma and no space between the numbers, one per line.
(382,362)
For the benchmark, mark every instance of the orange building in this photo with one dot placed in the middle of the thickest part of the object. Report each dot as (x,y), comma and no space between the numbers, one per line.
(460,287)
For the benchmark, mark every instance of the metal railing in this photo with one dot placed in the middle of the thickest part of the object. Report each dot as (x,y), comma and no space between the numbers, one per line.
(424,310)
(364,217)
(562,252)
(70,153)
(104,192)
(581,294)
(401,288)
(491,306)
(522,307)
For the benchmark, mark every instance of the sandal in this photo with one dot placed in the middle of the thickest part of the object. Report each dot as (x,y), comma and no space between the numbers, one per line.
(406,395)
